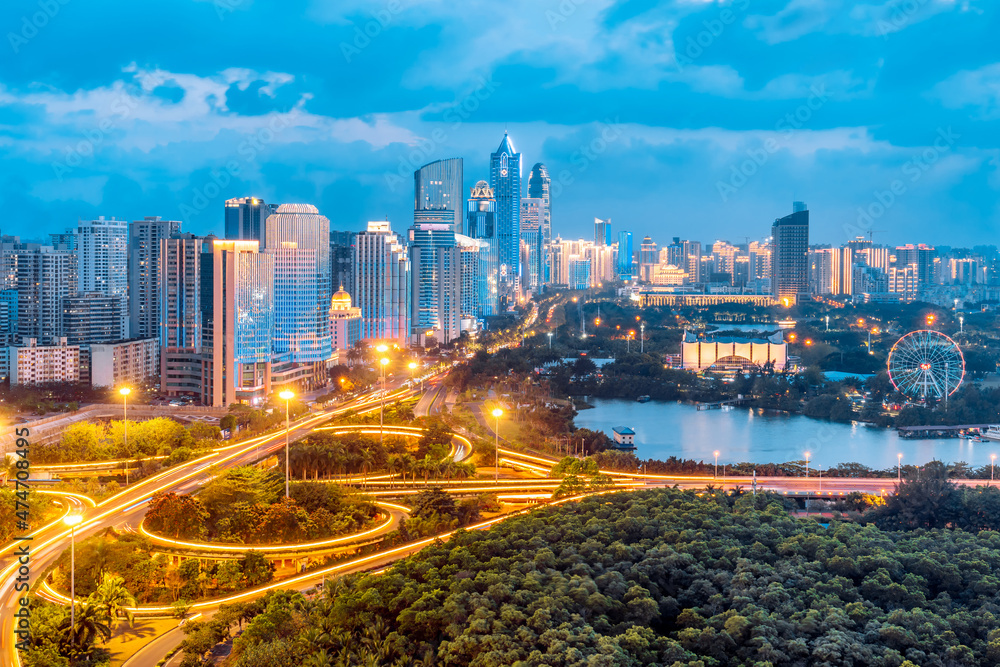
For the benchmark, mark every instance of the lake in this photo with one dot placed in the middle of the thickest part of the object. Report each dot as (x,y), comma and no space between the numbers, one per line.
(664,429)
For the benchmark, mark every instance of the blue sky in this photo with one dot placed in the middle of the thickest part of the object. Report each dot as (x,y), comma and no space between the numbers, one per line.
(689,118)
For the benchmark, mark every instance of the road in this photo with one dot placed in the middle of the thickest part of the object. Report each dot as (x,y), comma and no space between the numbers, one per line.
(128,507)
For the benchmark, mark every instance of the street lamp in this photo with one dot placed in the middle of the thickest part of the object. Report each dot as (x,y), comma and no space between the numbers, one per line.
(72,520)
(993,460)
(808,454)
(550,340)
(125,391)
(383,362)
(286,396)
(716,452)
(642,338)
(899,467)
(413,367)
(497,413)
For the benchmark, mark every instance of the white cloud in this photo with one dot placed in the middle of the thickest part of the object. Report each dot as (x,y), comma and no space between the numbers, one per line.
(972,88)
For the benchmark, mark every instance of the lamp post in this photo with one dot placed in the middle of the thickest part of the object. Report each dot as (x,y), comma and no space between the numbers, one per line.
(383,362)
(125,391)
(993,460)
(413,367)
(642,338)
(821,479)
(716,452)
(899,467)
(73,520)
(807,463)
(286,396)
(497,413)
(550,340)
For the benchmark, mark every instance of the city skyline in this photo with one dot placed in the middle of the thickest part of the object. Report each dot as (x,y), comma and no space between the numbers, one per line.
(740,114)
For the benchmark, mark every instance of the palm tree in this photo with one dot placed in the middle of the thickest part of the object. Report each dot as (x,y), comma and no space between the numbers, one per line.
(113,598)
(319,659)
(90,625)
(392,465)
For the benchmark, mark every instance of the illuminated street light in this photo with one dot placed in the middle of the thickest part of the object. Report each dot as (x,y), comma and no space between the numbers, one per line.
(125,391)
(899,467)
(72,520)
(808,454)
(716,452)
(286,396)
(497,413)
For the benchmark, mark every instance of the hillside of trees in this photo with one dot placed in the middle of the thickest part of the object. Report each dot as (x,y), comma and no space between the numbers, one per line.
(665,577)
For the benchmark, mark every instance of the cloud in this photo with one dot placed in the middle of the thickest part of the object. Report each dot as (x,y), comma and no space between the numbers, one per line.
(979,89)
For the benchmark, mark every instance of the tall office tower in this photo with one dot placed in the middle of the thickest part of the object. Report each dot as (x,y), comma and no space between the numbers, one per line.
(675,254)
(145,237)
(921,255)
(102,251)
(624,255)
(91,318)
(648,259)
(438,190)
(557,262)
(436,283)
(532,219)
(579,272)
(185,295)
(382,284)
(539,187)
(341,259)
(299,238)
(481,224)
(505,180)
(44,278)
(472,252)
(246,217)
(799,207)
(602,232)
(239,324)
(789,256)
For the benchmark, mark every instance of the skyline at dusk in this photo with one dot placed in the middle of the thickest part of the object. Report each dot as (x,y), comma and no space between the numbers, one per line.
(658,116)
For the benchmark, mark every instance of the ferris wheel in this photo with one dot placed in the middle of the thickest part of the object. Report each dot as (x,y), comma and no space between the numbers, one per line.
(926,364)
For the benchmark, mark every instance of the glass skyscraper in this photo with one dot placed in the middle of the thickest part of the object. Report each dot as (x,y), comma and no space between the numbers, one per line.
(245,218)
(481,224)
(790,256)
(382,283)
(436,271)
(299,238)
(505,180)
(532,214)
(539,187)
(624,255)
(437,187)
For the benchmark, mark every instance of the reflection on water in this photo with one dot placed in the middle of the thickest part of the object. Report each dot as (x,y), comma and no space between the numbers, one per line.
(674,429)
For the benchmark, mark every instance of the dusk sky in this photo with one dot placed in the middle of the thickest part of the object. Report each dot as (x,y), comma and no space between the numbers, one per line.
(690,118)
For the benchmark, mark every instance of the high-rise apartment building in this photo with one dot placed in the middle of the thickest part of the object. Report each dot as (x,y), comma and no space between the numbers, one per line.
(92,318)
(185,296)
(532,219)
(145,237)
(831,270)
(505,180)
(625,255)
(922,256)
(790,256)
(436,284)
(438,190)
(648,259)
(481,224)
(299,238)
(44,278)
(245,218)
(102,251)
(540,187)
(472,253)
(382,284)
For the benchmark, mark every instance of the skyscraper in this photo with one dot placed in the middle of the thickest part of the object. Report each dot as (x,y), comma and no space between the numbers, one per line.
(145,238)
(241,324)
(505,180)
(624,255)
(539,187)
(186,300)
(481,224)
(299,238)
(648,259)
(436,283)
(790,256)
(532,216)
(382,283)
(44,278)
(602,232)
(437,189)
(102,251)
(341,259)
(472,267)
(245,218)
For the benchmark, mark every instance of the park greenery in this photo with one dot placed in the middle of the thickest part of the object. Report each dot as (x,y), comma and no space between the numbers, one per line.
(58,642)
(86,441)
(40,510)
(664,577)
(246,505)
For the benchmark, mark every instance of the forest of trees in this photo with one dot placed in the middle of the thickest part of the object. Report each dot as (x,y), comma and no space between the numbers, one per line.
(662,577)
